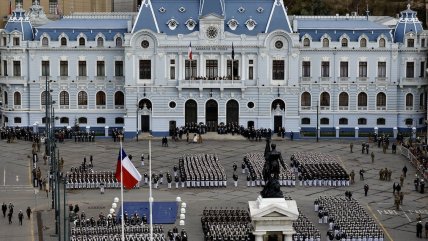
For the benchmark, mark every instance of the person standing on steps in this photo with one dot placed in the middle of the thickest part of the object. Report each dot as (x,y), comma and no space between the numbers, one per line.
(366,189)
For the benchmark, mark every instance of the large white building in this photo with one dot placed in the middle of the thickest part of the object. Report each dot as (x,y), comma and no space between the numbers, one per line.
(133,70)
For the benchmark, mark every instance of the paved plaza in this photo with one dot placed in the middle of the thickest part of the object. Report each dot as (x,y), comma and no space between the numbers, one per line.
(15,177)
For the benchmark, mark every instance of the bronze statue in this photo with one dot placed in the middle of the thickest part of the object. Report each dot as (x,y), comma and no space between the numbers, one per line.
(271,171)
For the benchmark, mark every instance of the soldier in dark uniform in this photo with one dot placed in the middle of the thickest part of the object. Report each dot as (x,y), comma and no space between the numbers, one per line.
(4,209)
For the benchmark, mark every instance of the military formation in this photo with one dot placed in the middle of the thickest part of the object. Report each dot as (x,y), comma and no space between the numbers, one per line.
(253,165)
(319,169)
(220,224)
(305,229)
(18,133)
(202,170)
(346,219)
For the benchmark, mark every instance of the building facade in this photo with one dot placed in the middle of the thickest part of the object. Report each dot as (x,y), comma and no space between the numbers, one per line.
(251,64)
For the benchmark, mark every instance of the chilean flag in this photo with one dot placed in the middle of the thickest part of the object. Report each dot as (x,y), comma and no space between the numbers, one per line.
(190,53)
(130,174)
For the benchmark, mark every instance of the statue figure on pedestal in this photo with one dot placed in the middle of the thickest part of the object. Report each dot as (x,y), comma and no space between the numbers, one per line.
(271,171)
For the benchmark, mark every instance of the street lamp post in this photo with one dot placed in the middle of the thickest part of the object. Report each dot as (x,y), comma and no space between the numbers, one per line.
(317,121)
(136,121)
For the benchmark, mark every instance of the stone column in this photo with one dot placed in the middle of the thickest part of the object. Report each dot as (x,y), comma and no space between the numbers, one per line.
(223,66)
(395,132)
(376,130)
(88,129)
(181,68)
(258,235)
(356,131)
(413,132)
(243,73)
(337,131)
(106,131)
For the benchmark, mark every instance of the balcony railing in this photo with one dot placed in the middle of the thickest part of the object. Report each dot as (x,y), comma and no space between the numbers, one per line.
(343,79)
(325,79)
(13,80)
(119,106)
(413,81)
(381,79)
(100,78)
(380,107)
(81,78)
(362,107)
(305,79)
(409,107)
(306,108)
(63,78)
(343,107)
(222,84)
(64,107)
(43,78)
(17,107)
(82,106)
(362,79)
(101,106)
(324,107)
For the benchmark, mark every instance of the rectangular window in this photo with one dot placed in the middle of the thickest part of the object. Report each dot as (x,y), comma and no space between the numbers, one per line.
(191,71)
(53,6)
(172,69)
(16,68)
(362,69)
(325,69)
(344,69)
(5,67)
(306,69)
(410,43)
(4,41)
(250,69)
(278,70)
(118,68)
(82,68)
(410,70)
(381,69)
(422,70)
(45,68)
(16,41)
(145,69)
(212,69)
(63,68)
(101,68)
(235,69)
(423,43)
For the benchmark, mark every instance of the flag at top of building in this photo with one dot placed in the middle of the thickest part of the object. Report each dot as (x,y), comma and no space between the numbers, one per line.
(130,174)
(190,53)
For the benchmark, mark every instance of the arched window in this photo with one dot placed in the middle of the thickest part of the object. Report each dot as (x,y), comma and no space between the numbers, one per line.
(408,121)
(343,121)
(82,98)
(306,42)
(119,99)
(100,42)
(64,120)
(343,99)
(324,121)
(380,121)
(82,41)
(325,99)
(362,100)
(305,99)
(325,42)
(363,43)
(101,120)
(45,41)
(119,120)
(83,120)
(344,42)
(119,42)
(306,121)
(381,100)
(382,43)
(362,121)
(17,98)
(64,98)
(100,98)
(63,41)
(43,98)
(409,101)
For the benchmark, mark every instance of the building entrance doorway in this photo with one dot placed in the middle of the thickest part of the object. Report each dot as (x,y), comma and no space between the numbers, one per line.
(232,112)
(145,123)
(191,112)
(211,114)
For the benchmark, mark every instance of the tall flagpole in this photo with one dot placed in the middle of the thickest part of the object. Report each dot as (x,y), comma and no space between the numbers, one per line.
(150,189)
(121,190)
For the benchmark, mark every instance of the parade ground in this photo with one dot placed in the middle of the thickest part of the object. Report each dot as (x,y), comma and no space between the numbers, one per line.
(16,183)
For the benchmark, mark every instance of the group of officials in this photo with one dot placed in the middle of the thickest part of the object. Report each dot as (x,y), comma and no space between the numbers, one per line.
(346,219)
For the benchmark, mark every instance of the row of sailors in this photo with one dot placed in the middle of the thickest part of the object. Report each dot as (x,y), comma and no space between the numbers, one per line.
(202,171)
(87,183)
(227,231)
(287,181)
(116,228)
(253,163)
(305,229)
(118,237)
(19,133)
(347,219)
(84,136)
(330,182)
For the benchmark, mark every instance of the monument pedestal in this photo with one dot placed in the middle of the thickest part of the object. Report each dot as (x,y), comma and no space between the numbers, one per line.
(273,217)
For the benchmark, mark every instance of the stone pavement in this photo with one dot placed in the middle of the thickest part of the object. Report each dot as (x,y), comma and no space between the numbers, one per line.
(16,188)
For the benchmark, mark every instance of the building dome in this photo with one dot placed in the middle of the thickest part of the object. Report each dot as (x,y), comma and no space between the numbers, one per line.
(408,23)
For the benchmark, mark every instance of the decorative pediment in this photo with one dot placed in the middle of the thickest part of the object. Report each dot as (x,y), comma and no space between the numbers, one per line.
(275,214)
